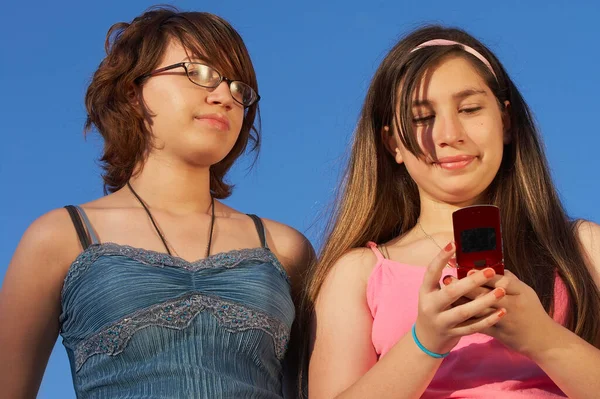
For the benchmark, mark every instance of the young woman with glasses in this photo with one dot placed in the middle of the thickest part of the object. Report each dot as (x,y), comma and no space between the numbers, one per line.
(158,289)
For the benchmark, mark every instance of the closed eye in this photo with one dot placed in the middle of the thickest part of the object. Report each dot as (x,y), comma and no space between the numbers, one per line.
(471,110)
(423,120)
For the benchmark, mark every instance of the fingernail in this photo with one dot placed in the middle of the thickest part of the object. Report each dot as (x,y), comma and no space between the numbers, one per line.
(448,247)
(470,272)
(501,313)
(499,293)
(489,273)
(447,280)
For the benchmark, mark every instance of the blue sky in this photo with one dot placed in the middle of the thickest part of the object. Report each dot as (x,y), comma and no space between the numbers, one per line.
(314,60)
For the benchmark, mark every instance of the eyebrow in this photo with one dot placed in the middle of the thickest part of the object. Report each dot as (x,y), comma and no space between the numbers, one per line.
(193,59)
(457,96)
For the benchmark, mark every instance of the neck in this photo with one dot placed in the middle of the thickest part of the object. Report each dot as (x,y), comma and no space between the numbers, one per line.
(436,216)
(176,188)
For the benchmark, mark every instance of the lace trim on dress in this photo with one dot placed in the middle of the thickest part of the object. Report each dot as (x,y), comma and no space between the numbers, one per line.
(229,259)
(177,314)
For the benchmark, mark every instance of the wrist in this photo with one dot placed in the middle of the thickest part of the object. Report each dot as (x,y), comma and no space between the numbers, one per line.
(429,344)
(541,344)
(424,349)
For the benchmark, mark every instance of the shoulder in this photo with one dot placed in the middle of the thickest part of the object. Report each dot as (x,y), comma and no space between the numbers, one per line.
(364,257)
(50,234)
(589,234)
(46,249)
(589,237)
(344,285)
(351,270)
(290,246)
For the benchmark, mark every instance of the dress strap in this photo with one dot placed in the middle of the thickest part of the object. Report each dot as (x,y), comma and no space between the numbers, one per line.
(81,233)
(88,225)
(83,227)
(260,229)
(376,251)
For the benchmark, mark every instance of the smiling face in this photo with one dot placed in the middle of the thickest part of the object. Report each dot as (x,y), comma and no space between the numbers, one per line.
(459,126)
(194,124)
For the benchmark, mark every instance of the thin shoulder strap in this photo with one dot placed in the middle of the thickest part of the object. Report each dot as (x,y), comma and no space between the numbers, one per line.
(88,225)
(260,228)
(376,251)
(76,219)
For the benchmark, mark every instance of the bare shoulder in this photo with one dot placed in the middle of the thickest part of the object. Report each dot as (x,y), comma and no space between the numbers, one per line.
(52,235)
(47,248)
(362,258)
(290,246)
(589,237)
(589,234)
(352,269)
(44,253)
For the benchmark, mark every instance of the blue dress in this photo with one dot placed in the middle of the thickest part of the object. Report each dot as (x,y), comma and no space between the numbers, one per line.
(143,324)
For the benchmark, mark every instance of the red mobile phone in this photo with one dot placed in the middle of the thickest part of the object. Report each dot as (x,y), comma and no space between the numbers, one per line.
(478,238)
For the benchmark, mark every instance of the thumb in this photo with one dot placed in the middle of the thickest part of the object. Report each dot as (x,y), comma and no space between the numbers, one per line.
(433,274)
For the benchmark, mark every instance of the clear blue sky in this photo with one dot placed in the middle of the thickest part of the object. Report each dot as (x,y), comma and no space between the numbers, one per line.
(314,60)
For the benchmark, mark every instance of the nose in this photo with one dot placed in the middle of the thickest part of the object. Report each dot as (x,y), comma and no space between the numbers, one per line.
(448,130)
(220,95)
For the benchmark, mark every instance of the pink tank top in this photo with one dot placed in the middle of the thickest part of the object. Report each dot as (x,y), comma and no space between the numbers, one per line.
(479,366)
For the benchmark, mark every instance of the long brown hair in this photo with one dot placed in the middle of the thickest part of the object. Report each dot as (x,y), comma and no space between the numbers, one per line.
(378,200)
(134,49)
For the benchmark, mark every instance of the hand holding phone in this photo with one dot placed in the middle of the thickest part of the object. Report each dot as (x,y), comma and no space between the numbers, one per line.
(478,238)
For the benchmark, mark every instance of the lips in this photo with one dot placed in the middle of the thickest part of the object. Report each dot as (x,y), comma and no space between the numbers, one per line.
(216,121)
(454,162)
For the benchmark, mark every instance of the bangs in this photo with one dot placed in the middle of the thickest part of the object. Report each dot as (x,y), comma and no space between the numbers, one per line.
(214,57)
(210,40)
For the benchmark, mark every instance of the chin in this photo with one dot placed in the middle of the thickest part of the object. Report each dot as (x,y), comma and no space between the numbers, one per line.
(464,197)
(200,157)
(205,151)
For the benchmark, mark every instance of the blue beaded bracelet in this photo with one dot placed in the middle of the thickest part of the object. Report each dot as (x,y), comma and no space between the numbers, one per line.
(424,349)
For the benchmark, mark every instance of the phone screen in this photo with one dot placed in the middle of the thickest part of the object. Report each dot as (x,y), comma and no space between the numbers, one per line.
(478,240)
(478,237)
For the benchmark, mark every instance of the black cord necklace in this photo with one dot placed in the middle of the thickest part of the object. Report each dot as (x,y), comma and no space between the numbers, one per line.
(210,232)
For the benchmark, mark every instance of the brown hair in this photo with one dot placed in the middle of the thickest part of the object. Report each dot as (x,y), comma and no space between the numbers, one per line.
(378,200)
(134,49)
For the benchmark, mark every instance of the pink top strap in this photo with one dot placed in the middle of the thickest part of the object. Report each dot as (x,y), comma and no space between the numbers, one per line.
(376,251)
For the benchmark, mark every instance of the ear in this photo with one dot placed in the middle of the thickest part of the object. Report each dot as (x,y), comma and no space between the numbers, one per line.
(133,93)
(507,136)
(391,142)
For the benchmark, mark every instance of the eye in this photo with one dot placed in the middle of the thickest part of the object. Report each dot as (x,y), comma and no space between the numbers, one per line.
(421,120)
(470,110)
(203,74)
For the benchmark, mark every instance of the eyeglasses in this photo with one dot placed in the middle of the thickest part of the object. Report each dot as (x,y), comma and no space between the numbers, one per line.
(205,76)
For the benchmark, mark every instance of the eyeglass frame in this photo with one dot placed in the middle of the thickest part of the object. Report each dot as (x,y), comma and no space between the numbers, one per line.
(221,79)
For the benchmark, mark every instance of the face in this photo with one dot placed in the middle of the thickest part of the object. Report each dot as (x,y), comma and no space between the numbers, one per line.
(459,126)
(195,124)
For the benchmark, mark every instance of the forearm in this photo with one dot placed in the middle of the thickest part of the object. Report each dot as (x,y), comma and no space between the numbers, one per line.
(570,362)
(22,365)
(404,372)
